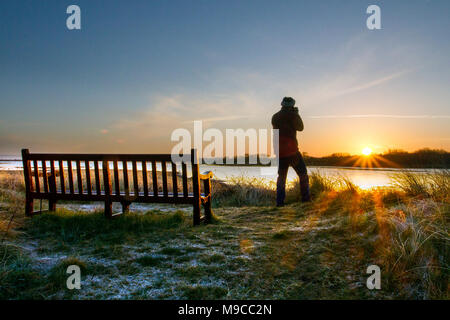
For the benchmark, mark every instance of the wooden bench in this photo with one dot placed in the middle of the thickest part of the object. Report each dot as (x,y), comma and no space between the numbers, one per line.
(52,177)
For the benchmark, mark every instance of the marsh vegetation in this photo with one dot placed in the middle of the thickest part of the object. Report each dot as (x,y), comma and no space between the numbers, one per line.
(253,250)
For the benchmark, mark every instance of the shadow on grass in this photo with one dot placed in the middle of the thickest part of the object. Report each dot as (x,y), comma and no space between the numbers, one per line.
(74,227)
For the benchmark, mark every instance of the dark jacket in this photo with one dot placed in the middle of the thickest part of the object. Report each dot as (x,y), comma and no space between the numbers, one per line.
(288,121)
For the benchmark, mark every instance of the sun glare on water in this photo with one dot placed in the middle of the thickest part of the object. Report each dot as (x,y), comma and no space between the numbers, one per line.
(366,151)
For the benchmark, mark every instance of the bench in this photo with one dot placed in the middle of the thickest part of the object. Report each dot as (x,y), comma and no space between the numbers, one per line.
(87,177)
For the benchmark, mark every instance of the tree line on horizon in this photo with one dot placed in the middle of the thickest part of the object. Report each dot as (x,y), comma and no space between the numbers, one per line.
(397,158)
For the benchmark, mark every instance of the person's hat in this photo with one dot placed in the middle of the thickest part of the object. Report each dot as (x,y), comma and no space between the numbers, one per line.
(288,102)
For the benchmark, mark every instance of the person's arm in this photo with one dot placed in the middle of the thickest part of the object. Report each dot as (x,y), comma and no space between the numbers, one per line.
(298,123)
(274,122)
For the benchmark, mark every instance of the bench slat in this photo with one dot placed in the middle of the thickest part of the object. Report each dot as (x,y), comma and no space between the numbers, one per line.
(164,177)
(144,177)
(97,178)
(174,180)
(184,173)
(99,157)
(44,176)
(135,178)
(61,177)
(88,177)
(53,180)
(106,178)
(86,196)
(114,198)
(154,178)
(116,177)
(36,176)
(70,174)
(107,187)
(125,177)
(79,177)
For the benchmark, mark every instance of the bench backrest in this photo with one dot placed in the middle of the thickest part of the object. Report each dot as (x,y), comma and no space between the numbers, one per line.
(100,177)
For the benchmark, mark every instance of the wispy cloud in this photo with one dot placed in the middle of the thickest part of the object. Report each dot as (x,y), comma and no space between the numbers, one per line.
(346,83)
(373,83)
(393,116)
(217,119)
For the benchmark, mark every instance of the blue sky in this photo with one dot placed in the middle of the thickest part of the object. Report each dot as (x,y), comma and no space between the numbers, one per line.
(137,70)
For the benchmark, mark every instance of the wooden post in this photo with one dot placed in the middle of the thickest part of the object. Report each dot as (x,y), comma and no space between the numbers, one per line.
(196,186)
(107,186)
(126,206)
(28,186)
(207,204)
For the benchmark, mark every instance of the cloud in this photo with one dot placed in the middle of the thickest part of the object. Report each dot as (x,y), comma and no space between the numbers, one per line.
(393,116)
(175,110)
(218,119)
(373,83)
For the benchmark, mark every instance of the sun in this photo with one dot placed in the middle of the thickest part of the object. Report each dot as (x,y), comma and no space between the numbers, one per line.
(366,151)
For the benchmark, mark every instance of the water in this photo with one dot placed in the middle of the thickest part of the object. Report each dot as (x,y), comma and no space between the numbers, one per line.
(364,178)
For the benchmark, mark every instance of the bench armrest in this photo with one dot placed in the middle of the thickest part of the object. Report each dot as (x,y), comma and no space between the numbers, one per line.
(206,175)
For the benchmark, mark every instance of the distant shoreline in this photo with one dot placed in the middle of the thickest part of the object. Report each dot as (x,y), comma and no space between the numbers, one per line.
(309,166)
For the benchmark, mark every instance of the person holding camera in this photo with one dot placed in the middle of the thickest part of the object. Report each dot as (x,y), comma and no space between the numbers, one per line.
(288,122)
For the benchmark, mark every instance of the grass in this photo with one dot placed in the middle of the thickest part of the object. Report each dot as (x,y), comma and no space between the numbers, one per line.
(435,185)
(254,250)
(74,227)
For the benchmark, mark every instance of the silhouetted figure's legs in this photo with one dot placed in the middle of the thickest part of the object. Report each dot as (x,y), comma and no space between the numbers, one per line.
(297,162)
(283,166)
(300,167)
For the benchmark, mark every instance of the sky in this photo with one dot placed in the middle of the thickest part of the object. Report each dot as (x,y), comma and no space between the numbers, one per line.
(138,70)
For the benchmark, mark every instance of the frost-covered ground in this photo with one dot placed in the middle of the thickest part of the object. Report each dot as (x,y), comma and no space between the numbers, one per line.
(318,250)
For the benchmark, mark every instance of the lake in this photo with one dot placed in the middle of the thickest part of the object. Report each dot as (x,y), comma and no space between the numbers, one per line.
(362,177)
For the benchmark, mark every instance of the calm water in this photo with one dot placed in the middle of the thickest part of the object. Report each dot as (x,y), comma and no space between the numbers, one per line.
(364,178)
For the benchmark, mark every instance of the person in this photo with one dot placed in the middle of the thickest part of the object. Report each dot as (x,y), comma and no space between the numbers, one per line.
(288,122)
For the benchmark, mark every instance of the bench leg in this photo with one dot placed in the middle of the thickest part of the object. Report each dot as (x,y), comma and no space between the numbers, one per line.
(207,203)
(51,205)
(108,209)
(29,207)
(197,206)
(125,206)
(208,211)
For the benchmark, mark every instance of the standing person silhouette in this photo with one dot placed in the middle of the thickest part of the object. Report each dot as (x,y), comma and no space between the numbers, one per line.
(288,122)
